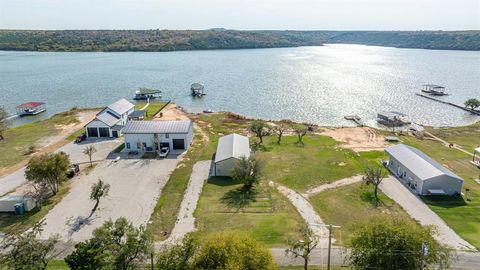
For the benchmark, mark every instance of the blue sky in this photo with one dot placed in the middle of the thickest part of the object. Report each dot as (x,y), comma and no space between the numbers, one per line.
(241,14)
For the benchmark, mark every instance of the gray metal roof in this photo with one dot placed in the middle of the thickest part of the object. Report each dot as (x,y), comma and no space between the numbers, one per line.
(108,119)
(138,113)
(418,163)
(121,106)
(147,127)
(232,146)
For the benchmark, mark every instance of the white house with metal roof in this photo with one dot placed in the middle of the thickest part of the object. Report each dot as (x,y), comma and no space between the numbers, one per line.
(230,148)
(111,120)
(422,174)
(150,136)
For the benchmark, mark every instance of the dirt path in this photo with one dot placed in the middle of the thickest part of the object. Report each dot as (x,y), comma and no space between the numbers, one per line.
(171,112)
(308,213)
(357,138)
(336,184)
(447,144)
(419,211)
(186,221)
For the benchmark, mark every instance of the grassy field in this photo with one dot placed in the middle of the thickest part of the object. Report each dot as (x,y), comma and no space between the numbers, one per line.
(467,136)
(264,213)
(11,223)
(152,109)
(320,160)
(350,205)
(18,140)
(461,214)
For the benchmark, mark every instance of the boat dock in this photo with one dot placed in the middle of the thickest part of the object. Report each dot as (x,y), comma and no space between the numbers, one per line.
(354,118)
(449,103)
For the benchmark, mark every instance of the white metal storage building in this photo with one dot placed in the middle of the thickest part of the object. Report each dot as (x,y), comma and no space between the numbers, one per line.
(111,120)
(424,175)
(151,135)
(230,148)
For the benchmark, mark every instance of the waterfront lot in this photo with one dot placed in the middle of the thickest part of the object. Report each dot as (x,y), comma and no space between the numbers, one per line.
(135,187)
(467,137)
(152,109)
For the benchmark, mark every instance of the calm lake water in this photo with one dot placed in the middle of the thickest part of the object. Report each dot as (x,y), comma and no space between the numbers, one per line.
(309,84)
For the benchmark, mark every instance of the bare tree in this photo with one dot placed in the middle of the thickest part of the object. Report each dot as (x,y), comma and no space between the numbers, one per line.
(99,190)
(89,151)
(279,130)
(374,176)
(303,247)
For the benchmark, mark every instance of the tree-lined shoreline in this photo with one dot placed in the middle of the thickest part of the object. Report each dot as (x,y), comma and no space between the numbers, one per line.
(212,39)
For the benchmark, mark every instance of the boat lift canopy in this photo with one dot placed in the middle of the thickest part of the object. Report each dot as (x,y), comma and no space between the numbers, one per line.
(30,105)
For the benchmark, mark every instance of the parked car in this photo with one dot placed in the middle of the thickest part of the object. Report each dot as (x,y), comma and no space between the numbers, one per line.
(164,152)
(81,138)
(133,153)
(74,169)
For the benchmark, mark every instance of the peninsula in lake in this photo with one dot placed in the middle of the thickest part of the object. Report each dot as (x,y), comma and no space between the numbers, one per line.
(174,40)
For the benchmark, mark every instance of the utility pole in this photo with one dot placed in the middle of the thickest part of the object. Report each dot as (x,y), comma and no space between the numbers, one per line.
(329,227)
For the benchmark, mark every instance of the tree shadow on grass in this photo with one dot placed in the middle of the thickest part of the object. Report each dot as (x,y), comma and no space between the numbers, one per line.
(239,198)
(368,197)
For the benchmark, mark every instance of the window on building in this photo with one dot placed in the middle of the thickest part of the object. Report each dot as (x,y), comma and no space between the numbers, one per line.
(128,145)
(139,145)
(167,135)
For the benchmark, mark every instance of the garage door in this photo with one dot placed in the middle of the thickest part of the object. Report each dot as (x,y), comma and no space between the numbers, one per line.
(92,132)
(178,144)
(104,132)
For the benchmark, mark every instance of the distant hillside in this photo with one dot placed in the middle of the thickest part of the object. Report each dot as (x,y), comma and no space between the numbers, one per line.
(172,40)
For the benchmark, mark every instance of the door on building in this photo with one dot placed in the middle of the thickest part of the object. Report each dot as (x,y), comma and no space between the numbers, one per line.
(178,144)
(115,133)
(104,132)
(92,132)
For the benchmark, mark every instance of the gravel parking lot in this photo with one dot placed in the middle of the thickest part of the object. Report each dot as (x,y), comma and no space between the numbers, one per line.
(12,181)
(135,187)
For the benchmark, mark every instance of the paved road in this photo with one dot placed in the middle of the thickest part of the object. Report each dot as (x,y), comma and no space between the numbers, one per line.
(394,189)
(307,212)
(12,181)
(465,260)
(185,221)
(135,186)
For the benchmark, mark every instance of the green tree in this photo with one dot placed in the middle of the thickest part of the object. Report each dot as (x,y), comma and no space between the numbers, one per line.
(260,129)
(303,247)
(48,170)
(247,171)
(233,251)
(179,256)
(116,245)
(3,121)
(374,175)
(98,191)
(472,103)
(23,251)
(86,256)
(89,151)
(279,130)
(385,243)
(301,130)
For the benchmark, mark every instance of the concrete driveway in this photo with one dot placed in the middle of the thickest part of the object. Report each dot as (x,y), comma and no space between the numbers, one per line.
(422,213)
(12,181)
(135,187)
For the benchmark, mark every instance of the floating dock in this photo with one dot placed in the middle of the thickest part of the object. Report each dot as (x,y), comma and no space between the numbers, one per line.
(449,103)
(355,118)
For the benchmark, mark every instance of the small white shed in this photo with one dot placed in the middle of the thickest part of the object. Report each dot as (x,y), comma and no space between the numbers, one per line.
(7,203)
(422,174)
(230,148)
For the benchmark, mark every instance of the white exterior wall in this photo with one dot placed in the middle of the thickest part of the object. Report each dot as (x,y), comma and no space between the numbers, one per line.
(223,167)
(148,139)
(98,124)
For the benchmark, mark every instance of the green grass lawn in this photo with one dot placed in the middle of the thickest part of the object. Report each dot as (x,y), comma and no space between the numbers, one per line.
(264,213)
(12,223)
(461,214)
(350,205)
(18,139)
(152,109)
(467,136)
(320,160)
